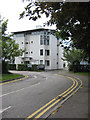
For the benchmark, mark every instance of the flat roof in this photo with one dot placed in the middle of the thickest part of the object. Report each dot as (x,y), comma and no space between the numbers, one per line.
(27,31)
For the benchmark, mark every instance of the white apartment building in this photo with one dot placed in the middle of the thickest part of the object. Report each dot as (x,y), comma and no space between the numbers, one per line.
(41,48)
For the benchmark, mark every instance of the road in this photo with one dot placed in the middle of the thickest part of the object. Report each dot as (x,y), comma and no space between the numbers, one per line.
(22,98)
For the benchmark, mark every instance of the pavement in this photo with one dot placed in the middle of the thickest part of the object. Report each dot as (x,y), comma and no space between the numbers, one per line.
(77,105)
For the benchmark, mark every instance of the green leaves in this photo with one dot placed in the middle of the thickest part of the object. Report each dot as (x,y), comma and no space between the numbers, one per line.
(4,27)
(72,20)
(74,56)
(10,49)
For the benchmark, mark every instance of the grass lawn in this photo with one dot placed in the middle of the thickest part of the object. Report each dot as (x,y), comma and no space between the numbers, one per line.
(10,76)
(81,73)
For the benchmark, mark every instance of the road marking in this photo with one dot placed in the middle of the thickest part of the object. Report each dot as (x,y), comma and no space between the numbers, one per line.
(19,90)
(50,101)
(38,116)
(69,90)
(1,111)
(14,80)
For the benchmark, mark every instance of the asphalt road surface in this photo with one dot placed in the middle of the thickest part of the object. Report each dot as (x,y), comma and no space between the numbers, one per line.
(21,98)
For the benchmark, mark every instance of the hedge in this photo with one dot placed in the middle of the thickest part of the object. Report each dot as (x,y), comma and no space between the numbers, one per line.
(23,67)
(26,67)
(12,66)
(79,68)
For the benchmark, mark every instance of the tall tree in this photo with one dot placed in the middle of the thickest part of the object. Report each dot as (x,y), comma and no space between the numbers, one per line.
(10,49)
(72,20)
(74,56)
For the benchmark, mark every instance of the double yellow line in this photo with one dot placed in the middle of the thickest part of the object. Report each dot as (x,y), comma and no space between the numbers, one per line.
(37,114)
(14,80)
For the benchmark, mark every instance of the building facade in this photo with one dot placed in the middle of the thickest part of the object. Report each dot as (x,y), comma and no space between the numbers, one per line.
(41,47)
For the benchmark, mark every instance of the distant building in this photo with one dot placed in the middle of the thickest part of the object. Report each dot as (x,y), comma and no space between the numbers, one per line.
(42,47)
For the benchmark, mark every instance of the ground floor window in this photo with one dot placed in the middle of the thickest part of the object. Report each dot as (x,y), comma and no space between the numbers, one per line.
(26,62)
(41,61)
(47,62)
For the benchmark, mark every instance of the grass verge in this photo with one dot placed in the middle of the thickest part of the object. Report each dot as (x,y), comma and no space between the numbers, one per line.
(6,77)
(81,73)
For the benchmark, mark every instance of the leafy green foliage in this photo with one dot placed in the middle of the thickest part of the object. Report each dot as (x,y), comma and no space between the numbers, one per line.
(72,20)
(10,49)
(23,67)
(12,66)
(74,56)
(79,68)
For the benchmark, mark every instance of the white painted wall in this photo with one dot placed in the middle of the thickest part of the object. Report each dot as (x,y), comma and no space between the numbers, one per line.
(35,49)
(19,38)
(60,61)
(53,52)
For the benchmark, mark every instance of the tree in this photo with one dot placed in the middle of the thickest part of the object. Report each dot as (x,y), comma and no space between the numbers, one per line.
(74,57)
(72,20)
(10,49)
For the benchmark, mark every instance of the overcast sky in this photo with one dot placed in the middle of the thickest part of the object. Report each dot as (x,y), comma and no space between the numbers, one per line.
(10,9)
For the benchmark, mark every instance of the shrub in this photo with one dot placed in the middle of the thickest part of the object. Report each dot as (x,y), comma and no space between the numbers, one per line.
(35,67)
(27,67)
(12,66)
(79,68)
(23,67)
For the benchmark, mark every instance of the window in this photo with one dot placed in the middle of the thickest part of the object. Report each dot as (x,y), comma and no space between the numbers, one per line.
(47,52)
(41,61)
(26,62)
(22,42)
(44,32)
(41,52)
(47,62)
(41,36)
(44,41)
(26,52)
(47,37)
(30,58)
(41,40)
(47,42)
(48,33)
(31,52)
(31,41)
(26,42)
